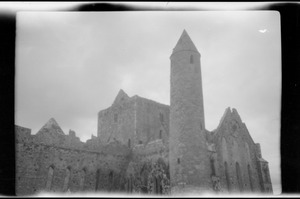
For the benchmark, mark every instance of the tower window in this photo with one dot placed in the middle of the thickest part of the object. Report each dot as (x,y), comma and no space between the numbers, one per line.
(115,117)
(178,160)
(191,59)
(160,134)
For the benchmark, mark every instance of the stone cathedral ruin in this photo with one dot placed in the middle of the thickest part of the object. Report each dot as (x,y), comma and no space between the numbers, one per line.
(146,147)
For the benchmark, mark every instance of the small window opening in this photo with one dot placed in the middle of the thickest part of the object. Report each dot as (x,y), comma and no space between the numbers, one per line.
(191,59)
(178,160)
(160,134)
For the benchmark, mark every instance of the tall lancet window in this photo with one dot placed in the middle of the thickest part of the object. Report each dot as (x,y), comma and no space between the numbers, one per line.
(250,177)
(49,178)
(67,179)
(239,176)
(227,176)
(82,176)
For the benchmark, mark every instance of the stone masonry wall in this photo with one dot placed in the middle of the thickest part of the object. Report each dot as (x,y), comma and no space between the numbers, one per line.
(88,168)
(235,145)
(152,121)
(117,122)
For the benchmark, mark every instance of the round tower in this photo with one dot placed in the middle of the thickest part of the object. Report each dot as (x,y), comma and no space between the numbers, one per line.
(189,162)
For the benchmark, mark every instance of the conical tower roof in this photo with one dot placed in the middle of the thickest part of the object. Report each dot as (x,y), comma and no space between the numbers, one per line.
(185,43)
(52,126)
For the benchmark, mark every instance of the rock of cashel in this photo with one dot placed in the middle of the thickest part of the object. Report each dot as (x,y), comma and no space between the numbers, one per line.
(146,147)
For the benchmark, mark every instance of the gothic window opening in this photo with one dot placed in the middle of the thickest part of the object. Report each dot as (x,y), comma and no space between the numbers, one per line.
(49,178)
(67,179)
(82,176)
(227,176)
(191,59)
(250,179)
(239,176)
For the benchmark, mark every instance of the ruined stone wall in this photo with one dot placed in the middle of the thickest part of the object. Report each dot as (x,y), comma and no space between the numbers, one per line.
(152,151)
(263,172)
(235,145)
(84,169)
(152,121)
(117,122)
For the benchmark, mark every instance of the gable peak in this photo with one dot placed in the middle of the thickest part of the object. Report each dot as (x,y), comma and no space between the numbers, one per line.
(120,96)
(52,125)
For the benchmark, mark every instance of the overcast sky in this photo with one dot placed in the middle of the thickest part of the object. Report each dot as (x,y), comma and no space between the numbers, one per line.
(70,65)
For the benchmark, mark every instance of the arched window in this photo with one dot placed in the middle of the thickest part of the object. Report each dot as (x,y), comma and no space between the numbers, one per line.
(250,178)
(67,179)
(239,176)
(160,134)
(191,59)
(82,176)
(49,178)
(227,176)
(178,160)
(157,185)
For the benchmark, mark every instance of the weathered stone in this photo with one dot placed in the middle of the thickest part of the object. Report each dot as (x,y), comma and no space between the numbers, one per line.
(143,146)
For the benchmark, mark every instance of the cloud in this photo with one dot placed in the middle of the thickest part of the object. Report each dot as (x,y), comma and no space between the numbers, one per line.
(263,31)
